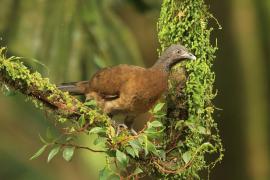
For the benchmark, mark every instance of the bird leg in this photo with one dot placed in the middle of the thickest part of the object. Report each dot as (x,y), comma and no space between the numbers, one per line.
(115,106)
(120,126)
(129,122)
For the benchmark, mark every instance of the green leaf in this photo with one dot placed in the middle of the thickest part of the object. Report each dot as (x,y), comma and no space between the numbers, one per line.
(186,156)
(180,124)
(100,140)
(53,152)
(97,130)
(91,103)
(131,151)
(190,125)
(122,158)
(39,152)
(137,171)
(68,153)
(62,120)
(162,154)
(99,61)
(152,148)
(69,138)
(136,146)
(49,133)
(111,131)
(105,173)
(81,120)
(111,153)
(146,145)
(202,130)
(153,132)
(156,124)
(114,177)
(42,139)
(158,107)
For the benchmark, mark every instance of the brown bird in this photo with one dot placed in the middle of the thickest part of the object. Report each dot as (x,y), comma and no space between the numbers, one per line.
(127,89)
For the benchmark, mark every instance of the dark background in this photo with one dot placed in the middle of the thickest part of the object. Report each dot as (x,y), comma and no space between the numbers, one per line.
(74,38)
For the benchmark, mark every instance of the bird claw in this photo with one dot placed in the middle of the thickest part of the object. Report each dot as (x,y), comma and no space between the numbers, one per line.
(121,126)
(133,132)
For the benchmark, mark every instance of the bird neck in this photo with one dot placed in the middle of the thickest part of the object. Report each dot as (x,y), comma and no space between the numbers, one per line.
(164,64)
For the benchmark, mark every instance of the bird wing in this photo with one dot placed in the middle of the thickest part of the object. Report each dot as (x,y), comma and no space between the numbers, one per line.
(109,81)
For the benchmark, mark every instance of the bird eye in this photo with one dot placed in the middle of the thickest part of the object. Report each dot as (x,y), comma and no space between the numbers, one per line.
(178,51)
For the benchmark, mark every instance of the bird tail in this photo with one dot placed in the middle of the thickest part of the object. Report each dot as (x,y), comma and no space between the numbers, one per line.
(74,88)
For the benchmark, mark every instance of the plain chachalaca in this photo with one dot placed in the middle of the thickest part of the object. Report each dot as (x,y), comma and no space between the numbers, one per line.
(129,90)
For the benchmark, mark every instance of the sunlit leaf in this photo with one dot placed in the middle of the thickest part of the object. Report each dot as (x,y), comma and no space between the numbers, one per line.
(158,107)
(97,130)
(202,130)
(156,124)
(91,103)
(39,152)
(186,156)
(137,171)
(70,138)
(105,173)
(42,139)
(121,158)
(53,153)
(100,140)
(131,151)
(81,120)
(180,124)
(145,145)
(136,146)
(68,153)
(111,131)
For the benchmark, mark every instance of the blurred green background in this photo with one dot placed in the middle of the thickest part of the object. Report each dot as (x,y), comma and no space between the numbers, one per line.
(74,38)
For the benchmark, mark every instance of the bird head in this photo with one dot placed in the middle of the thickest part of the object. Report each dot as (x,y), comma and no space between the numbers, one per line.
(177,52)
(172,55)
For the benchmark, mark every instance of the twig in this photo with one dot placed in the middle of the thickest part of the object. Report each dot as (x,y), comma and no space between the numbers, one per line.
(79,147)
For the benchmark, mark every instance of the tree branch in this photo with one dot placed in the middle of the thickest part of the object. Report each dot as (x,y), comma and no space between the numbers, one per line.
(17,76)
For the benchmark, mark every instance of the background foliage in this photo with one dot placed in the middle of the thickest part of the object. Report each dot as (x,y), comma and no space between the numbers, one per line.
(71,35)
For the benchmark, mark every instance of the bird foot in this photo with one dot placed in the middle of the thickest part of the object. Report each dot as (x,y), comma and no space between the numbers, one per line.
(123,126)
(133,132)
(120,127)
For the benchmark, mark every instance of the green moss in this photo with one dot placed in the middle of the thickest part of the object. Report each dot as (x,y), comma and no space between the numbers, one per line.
(186,21)
(41,92)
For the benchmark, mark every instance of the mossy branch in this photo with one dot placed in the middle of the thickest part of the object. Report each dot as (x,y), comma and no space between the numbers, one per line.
(15,75)
(190,104)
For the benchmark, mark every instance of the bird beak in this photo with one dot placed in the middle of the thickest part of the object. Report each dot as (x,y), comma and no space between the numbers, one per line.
(188,55)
